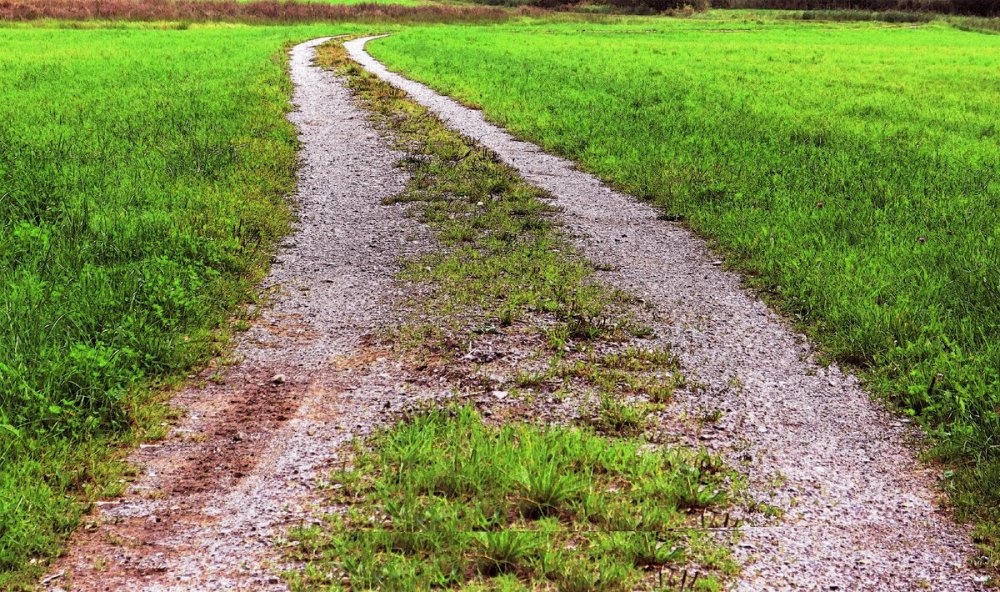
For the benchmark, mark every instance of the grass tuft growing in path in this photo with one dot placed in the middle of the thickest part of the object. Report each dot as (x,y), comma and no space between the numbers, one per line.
(446,501)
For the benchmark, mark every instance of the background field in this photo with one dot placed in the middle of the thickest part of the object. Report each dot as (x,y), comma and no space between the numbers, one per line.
(852,170)
(142,182)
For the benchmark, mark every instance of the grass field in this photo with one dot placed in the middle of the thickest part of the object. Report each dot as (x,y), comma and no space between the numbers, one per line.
(142,183)
(851,169)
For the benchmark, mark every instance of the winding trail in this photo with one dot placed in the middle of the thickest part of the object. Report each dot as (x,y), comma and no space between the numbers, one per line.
(243,465)
(860,513)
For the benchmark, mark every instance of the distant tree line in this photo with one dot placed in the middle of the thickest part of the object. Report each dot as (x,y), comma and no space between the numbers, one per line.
(963,7)
(253,11)
(986,8)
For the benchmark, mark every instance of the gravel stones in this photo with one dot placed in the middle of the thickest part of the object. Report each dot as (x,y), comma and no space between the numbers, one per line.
(859,512)
(242,467)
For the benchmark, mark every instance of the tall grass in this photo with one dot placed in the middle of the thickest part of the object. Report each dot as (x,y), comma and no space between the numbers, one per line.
(142,184)
(851,172)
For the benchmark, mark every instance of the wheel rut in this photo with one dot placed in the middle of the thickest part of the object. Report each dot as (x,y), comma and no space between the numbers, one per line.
(859,512)
(242,466)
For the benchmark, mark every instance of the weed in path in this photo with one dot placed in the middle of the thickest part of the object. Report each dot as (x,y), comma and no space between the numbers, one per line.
(549,506)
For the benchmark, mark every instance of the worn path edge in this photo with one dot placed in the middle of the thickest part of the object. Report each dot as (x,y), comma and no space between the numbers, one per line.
(859,511)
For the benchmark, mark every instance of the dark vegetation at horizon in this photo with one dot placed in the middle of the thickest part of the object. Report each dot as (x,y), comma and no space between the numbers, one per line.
(253,12)
(987,8)
(295,11)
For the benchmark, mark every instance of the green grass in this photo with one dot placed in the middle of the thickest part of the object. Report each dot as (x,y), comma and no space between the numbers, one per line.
(850,169)
(142,183)
(445,501)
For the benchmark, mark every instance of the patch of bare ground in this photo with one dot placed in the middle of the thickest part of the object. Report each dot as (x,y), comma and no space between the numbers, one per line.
(214,497)
(853,508)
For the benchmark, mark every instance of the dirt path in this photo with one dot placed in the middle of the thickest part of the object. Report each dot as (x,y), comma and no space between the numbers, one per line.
(243,465)
(859,512)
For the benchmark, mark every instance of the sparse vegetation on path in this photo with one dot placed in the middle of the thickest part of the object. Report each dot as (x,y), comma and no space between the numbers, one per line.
(851,170)
(443,499)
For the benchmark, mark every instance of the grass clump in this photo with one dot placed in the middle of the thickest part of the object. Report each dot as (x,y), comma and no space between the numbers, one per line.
(446,501)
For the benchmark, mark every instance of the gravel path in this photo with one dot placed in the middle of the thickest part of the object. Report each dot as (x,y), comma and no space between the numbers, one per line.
(860,513)
(243,464)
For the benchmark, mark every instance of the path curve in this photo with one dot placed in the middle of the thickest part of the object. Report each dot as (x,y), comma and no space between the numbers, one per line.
(860,513)
(243,465)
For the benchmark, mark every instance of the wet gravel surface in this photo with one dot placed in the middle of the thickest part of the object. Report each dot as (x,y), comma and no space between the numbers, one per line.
(243,465)
(859,512)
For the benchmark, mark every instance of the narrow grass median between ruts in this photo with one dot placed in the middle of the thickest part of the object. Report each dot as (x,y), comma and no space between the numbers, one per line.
(546,465)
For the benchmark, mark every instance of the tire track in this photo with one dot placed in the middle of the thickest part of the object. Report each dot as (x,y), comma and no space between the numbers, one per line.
(243,465)
(859,512)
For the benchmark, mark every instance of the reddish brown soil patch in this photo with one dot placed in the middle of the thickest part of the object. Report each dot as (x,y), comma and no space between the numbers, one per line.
(232,442)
